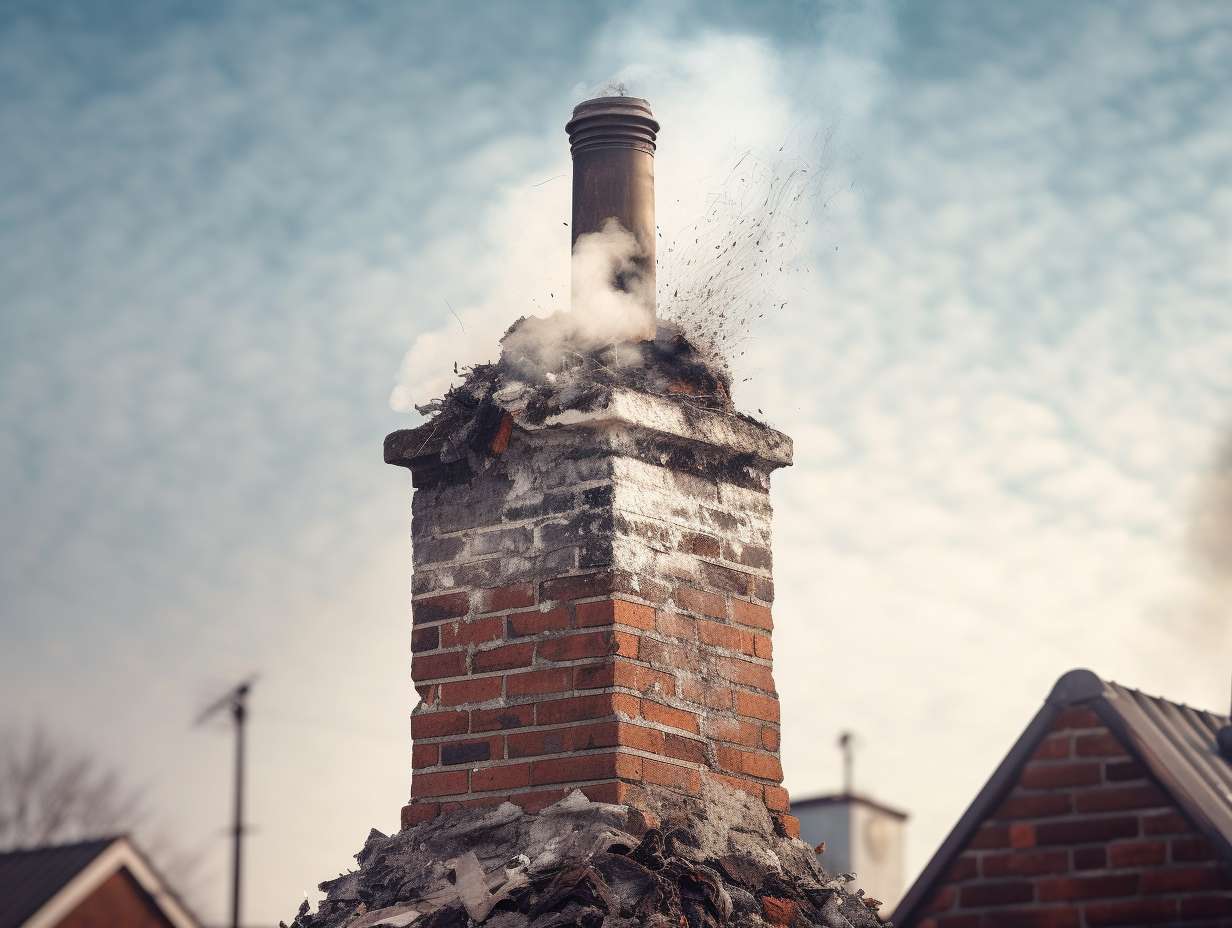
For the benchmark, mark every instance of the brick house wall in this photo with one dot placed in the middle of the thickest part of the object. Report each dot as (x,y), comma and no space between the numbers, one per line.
(1085,838)
(592,611)
(118,900)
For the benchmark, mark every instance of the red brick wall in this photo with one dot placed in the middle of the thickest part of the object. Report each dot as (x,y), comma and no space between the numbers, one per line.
(1085,839)
(118,900)
(606,628)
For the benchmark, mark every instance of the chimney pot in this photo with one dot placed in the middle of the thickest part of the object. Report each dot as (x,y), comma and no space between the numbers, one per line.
(612,140)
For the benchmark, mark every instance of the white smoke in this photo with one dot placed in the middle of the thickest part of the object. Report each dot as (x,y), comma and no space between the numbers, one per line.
(611,302)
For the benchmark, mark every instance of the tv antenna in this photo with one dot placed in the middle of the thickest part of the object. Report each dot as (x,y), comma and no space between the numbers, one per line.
(235,701)
(846,743)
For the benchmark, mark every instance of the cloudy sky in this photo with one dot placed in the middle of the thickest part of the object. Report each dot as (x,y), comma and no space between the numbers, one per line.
(228,232)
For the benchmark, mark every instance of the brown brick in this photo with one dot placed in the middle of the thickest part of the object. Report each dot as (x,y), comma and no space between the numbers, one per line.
(1019,805)
(1087,887)
(509,597)
(504,658)
(1165,823)
(1022,863)
(438,724)
(989,836)
(470,752)
(757,706)
(675,624)
(1198,907)
(614,612)
(535,743)
(503,718)
(442,606)
(551,680)
(1086,830)
(507,776)
(703,602)
(449,783)
(965,867)
(1098,744)
(574,709)
(576,647)
(623,673)
(682,748)
(1076,717)
(1185,850)
(988,894)
(1146,912)
(1051,776)
(425,755)
(735,731)
(1137,854)
(1120,798)
(1090,858)
(753,614)
(580,586)
(1022,834)
(763,647)
(670,716)
(584,767)
(770,738)
(413,815)
(1119,771)
(462,692)
(537,621)
(777,799)
(1054,747)
(720,635)
(1189,879)
(779,912)
(426,639)
(643,739)
(435,666)
(752,763)
(672,776)
(700,545)
(477,631)
(1033,918)
(745,673)
(752,787)
(942,899)
(539,800)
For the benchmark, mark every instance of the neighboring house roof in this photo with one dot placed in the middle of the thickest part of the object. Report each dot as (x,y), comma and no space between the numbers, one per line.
(39,886)
(837,799)
(1175,743)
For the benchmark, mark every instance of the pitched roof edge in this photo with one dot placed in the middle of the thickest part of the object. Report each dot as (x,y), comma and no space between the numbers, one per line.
(120,853)
(1073,688)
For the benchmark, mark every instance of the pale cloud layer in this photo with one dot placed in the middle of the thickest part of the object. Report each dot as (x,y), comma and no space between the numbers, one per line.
(1005,362)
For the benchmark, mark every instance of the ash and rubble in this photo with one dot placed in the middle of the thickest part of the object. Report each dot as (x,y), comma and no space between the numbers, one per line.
(547,368)
(710,861)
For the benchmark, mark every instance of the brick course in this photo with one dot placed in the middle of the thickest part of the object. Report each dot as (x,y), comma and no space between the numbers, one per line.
(1084,839)
(586,617)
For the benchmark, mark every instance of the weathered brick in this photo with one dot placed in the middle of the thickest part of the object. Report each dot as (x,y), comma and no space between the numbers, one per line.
(435,666)
(505,776)
(682,748)
(501,719)
(477,631)
(757,706)
(469,752)
(573,709)
(425,755)
(442,606)
(516,596)
(503,658)
(579,586)
(614,612)
(670,716)
(426,639)
(461,692)
(577,646)
(439,724)
(448,783)
(537,621)
(685,779)
(703,602)
(753,614)
(721,635)
(533,682)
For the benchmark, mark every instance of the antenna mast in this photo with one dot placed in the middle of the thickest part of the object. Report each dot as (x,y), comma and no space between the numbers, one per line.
(236,702)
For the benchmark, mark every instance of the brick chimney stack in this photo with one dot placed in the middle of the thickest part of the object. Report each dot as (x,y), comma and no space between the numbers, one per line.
(591,594)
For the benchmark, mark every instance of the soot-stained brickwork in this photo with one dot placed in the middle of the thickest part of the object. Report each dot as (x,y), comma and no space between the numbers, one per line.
(592,597)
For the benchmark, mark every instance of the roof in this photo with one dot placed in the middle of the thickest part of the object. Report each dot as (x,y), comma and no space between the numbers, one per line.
(1175,743)
(29,878)
(835,799)
(39,886)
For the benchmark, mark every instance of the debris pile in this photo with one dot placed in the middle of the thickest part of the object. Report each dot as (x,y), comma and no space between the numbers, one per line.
(705,862)
(546,368)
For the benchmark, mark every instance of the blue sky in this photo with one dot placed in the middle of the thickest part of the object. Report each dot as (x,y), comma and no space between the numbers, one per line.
(228,231)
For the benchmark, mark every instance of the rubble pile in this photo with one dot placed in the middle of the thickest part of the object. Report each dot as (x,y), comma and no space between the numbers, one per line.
(545,368)
(690,862)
